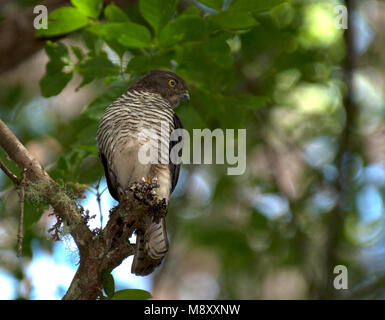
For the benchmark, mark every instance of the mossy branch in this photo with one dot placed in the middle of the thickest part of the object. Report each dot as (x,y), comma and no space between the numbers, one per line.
(98,250)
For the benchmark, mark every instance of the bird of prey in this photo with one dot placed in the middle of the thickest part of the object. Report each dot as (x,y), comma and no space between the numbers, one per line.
(147,105)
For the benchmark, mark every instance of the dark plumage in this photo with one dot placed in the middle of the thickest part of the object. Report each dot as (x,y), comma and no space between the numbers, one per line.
(157,81)
(147,104)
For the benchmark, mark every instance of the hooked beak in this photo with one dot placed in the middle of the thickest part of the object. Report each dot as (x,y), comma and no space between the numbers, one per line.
(185,96)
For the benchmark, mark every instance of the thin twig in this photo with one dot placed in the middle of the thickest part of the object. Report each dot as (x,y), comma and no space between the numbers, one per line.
(348,142)
(8,172)
(49,190)
(20,232)
(98,199)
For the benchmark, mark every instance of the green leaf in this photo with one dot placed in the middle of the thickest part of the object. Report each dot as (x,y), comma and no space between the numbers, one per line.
(55,79)
(254,5)
(198,57)
(184,28)
(57,52)
(131,294)
(93,42)
(190,11)
(61,169)
(116,46)
(108,283)
(96,67)
(140,39)
(33,210)
(234,20)
(115,14)
(191,119)
(90,8)
(282,14)
(89,149)
(62,164)
(53,84)
(78,52)
(157,12)
(141,64)
(216,4)
(128,34)
(138,64)
(62,21)
(249,101)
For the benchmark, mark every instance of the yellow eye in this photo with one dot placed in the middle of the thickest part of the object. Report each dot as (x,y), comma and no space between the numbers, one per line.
(172,83)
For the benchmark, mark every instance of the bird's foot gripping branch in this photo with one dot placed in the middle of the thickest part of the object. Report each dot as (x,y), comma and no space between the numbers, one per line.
(145,193)
(99,252)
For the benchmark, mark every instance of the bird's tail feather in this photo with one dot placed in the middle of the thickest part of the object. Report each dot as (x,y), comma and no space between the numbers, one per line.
(151,247)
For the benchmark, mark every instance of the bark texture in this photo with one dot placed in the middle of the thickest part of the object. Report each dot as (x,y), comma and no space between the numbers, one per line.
(98,249)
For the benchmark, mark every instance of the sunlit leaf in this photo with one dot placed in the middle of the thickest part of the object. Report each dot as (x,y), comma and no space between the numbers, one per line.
(62,21)
(127,33)
(90,8)
(131,294)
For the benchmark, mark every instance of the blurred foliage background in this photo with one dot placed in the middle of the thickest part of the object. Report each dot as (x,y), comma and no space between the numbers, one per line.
(310,95)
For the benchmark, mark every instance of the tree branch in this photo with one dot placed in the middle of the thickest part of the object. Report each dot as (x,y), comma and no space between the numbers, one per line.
(17,35)
(8,172)
(106,252)
(21,221)
(348,140)
(64,207)
(99,250)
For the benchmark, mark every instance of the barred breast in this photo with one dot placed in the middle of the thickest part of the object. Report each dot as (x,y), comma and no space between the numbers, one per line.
(135,120)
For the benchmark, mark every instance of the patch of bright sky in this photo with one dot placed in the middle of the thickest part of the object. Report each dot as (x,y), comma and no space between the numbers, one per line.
(8,285)
(51,274)
(369,204)
(37,111)
(320,151)
(375,174)
(365,33)
(271,205)
(201,187)
(323,201)
(122,274)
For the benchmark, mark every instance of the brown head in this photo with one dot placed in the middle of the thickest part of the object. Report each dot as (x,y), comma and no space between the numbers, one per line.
(166,83)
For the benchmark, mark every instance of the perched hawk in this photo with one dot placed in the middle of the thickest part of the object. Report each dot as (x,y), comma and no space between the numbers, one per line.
(147,105)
